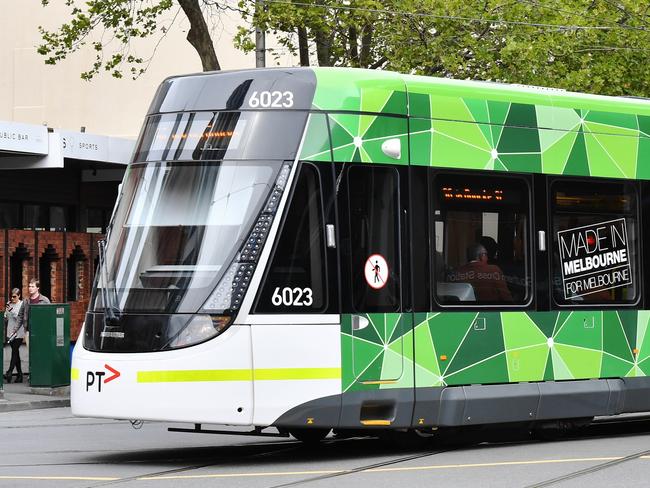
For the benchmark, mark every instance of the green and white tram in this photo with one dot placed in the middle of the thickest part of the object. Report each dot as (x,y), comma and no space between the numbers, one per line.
(334,248)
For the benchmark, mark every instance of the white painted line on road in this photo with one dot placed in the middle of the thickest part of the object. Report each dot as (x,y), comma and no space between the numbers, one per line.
(240,475)
(59,478)
(324,472)
(385,470)
(503,463)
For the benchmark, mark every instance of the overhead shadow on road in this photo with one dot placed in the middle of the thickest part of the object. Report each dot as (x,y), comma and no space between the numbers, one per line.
(261,451)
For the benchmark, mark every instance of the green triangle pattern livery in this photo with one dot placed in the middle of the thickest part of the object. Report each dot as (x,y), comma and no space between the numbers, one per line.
(476,125)
(457,348)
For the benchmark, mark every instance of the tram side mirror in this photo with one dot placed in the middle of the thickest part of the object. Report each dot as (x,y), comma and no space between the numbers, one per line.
(359,323)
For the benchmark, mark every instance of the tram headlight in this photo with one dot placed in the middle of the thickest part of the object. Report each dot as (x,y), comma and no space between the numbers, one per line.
(200,328)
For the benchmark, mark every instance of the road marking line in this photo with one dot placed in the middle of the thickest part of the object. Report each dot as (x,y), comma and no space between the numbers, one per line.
(322,472)
(64,478)
(503,463)
(240,475)
(384,470)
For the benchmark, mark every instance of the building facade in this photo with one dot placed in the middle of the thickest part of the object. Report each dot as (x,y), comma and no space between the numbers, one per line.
(58,193)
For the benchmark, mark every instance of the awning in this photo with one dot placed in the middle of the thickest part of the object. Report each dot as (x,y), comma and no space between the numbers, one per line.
(28,146)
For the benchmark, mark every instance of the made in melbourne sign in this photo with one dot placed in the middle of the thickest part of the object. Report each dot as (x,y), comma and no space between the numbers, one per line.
(594,258)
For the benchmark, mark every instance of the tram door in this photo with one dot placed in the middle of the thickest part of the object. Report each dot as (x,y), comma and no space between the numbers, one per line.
(295,329)
(377,377)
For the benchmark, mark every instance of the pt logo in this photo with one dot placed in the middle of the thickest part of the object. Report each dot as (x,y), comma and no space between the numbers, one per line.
(98,376)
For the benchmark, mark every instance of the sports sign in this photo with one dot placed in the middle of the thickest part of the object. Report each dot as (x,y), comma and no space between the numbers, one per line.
(594,258)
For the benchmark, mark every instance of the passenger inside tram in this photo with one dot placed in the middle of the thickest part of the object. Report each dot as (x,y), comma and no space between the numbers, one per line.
(486,279)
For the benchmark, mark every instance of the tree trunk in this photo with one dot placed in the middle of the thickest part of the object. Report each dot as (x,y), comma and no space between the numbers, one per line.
(354,48)
(366,44)
(322,48)
(303,46)
(199,35)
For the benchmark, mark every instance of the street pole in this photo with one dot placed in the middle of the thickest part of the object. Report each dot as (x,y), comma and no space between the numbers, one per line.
(260,42)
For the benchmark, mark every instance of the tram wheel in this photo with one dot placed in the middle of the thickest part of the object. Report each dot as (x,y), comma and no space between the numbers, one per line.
(310,436)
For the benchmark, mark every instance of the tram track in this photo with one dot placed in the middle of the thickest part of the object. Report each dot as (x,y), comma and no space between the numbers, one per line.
(590,470)
(295,447)
(182,462)
(167,472)
(361,469)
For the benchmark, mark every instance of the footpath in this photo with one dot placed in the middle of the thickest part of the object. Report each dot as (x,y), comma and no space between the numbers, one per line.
(21,396)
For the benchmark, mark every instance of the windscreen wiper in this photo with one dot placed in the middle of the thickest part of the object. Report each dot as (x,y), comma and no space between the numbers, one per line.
(110,300)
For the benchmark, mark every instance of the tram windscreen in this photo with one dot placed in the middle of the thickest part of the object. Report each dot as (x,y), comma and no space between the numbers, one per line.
(176,229)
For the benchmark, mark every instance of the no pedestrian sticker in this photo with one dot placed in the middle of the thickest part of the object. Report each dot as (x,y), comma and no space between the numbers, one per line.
(376,271)
(594,258)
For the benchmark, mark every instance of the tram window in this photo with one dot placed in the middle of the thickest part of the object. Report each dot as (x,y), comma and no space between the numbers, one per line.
(480,248)
(203,136)
(374,238)
(296,279)
(595,243)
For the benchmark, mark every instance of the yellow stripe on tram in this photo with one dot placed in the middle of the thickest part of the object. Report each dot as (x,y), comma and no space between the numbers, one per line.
(195,375)
(266,374)
(74,374)
(298,374)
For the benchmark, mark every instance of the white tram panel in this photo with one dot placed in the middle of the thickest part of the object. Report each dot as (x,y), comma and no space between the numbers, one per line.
(212,401)
(310,349)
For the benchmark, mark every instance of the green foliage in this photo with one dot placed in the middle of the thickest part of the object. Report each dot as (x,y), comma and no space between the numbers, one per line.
(598,46)
(339,37)
(120,23)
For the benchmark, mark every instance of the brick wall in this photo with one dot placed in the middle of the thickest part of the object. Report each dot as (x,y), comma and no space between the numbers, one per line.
(60,249)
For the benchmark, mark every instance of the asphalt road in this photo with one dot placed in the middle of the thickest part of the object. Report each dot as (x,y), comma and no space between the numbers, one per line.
(50,448)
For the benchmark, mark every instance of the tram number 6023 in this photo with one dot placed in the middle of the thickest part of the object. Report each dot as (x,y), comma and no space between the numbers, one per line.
(292,297)
(271,99)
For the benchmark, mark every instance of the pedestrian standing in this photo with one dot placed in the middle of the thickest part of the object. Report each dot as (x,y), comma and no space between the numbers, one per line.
(35,298)
(15,334)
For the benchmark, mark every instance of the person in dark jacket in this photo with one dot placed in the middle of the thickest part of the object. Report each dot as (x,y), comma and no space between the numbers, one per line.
(34,298)
(15,334)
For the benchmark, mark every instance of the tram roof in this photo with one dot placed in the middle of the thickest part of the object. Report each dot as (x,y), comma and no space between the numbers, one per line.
(373,91)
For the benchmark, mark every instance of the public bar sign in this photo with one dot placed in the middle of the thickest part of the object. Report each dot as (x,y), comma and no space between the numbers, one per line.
(594,258)
(23,138)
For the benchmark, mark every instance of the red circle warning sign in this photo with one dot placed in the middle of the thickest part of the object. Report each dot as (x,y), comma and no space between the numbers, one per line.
(376,271)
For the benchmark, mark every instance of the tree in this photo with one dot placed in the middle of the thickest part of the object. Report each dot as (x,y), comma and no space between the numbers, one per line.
(336,36)
(597,46)
(124,21)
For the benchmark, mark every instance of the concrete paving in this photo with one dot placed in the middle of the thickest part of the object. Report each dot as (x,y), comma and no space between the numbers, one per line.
(21,396)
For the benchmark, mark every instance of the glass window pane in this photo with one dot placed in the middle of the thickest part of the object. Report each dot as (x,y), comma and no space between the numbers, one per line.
(34,217)
(374,237)
(9,215)
(296,280)
(595,251)
(203,136)
(96,222)
(58,218)
(177,228)
(480,240)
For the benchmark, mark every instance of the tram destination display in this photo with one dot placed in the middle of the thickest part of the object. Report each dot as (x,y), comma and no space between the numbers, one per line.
(594,258)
